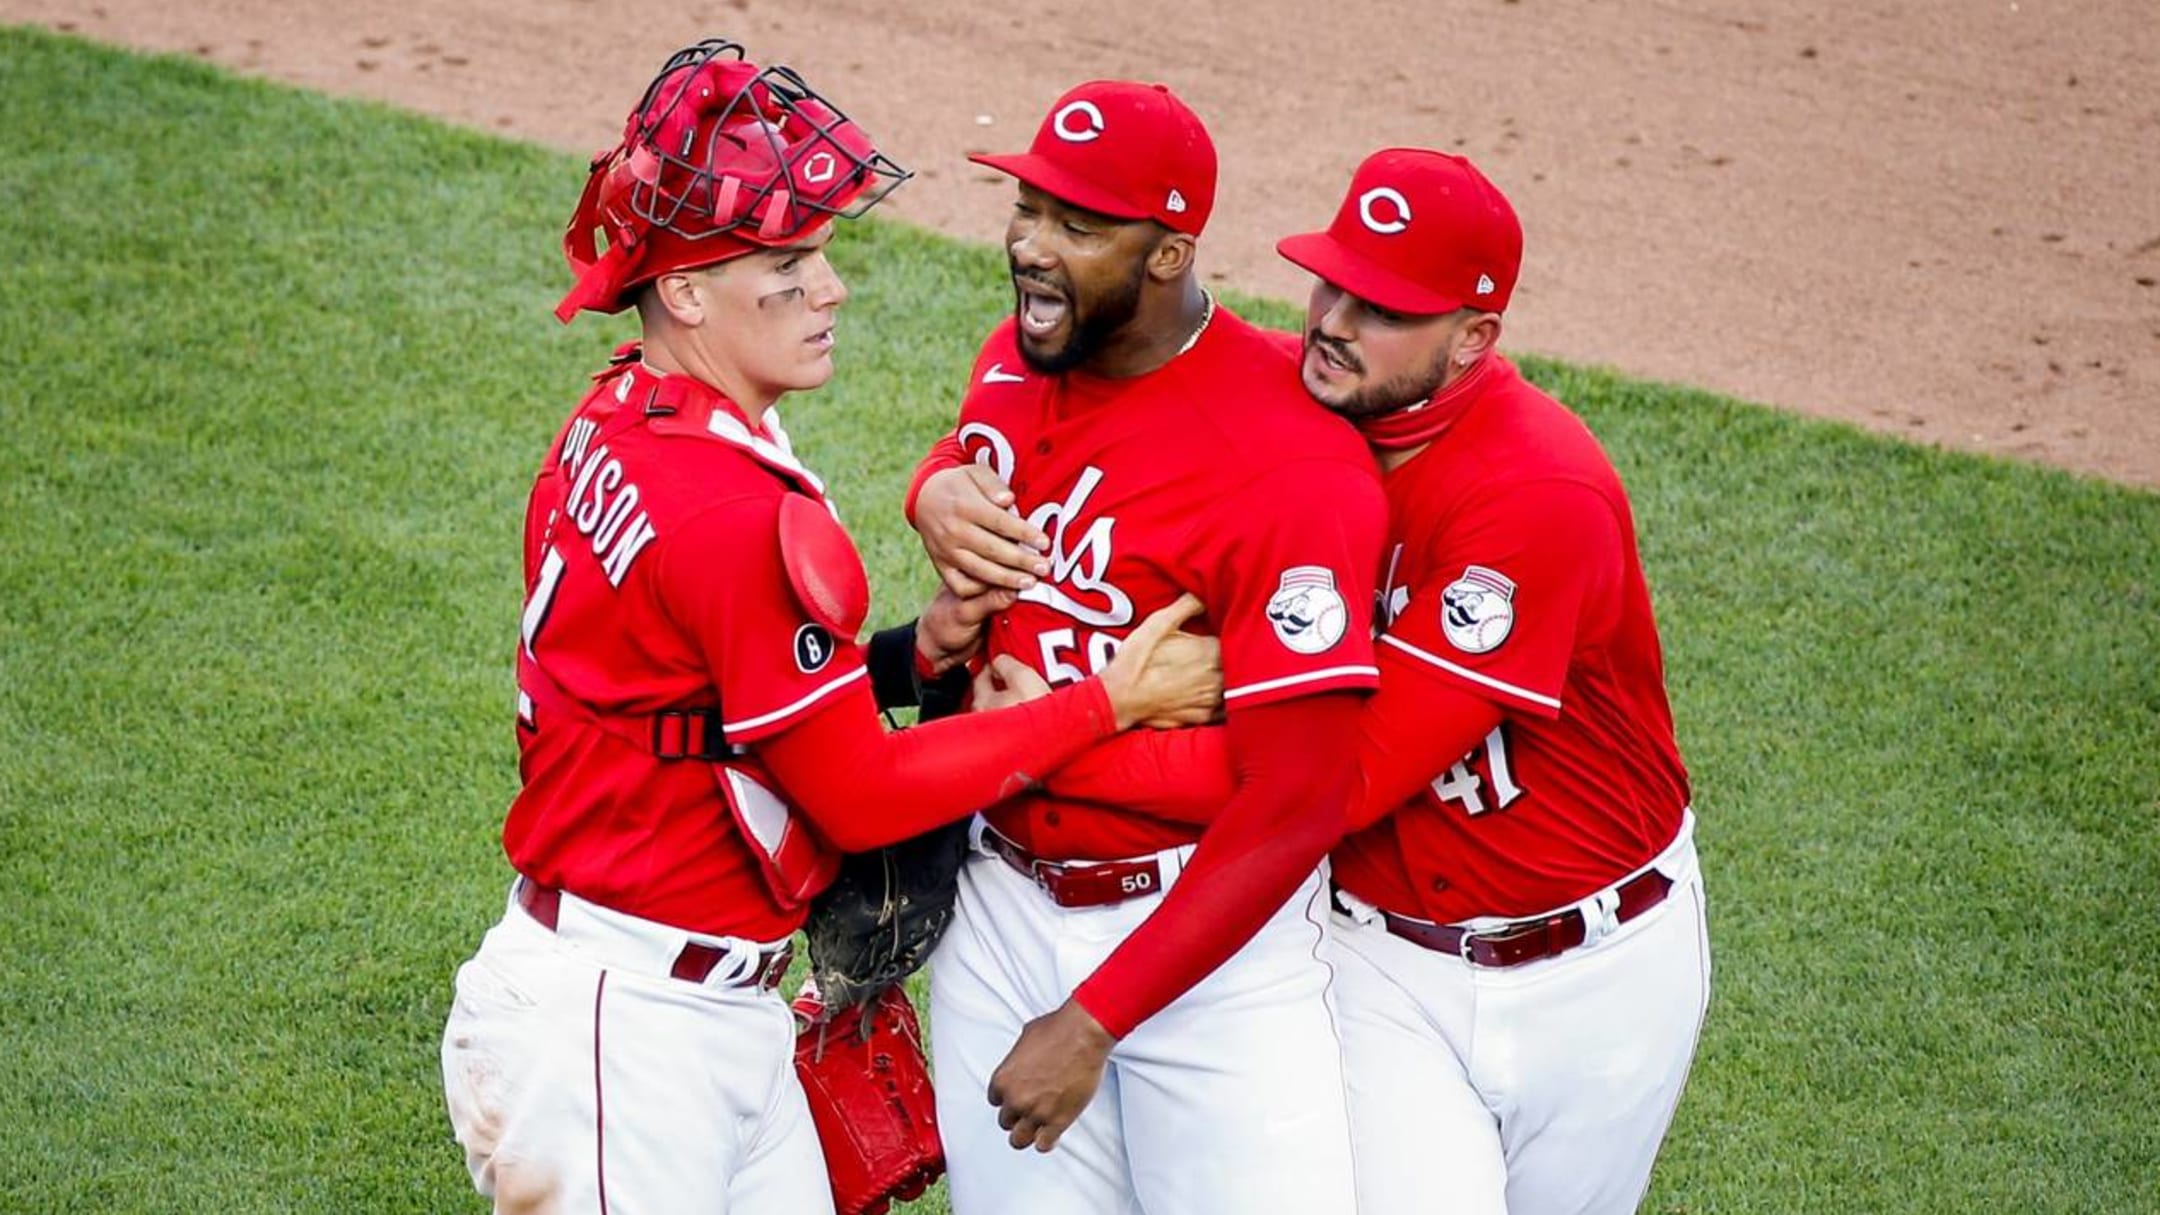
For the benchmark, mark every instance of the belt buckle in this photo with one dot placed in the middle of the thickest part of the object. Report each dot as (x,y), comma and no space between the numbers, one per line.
(1514,930)
(1046,875)
(1466,948)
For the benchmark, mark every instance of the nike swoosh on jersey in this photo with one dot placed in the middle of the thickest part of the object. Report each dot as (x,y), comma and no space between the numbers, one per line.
(996,374)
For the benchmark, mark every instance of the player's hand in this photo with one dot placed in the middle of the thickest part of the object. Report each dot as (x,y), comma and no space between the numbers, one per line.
(1008,681)
(973,537)
(1160,681)
(1195,662)
(949,631)
(1049,1076)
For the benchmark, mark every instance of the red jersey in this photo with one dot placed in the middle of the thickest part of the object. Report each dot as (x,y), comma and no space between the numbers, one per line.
(655,581)
(1512,573)
(1213,474)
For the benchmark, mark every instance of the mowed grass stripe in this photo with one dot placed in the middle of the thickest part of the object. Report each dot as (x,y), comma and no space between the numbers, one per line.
(275,369)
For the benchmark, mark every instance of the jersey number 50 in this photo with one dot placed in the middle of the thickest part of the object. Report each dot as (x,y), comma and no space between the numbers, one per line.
(1060,670)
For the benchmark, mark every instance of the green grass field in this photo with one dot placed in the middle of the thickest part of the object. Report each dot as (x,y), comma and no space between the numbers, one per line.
(275,369)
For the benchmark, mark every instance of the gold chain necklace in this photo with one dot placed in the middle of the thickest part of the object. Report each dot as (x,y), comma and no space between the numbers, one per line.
(1206,314)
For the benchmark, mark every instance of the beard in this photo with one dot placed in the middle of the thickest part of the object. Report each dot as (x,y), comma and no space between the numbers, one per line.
(1088,329)
(1378,400)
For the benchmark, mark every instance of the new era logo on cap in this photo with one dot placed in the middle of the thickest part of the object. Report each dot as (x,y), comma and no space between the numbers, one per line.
(1419,231)
(1124,149)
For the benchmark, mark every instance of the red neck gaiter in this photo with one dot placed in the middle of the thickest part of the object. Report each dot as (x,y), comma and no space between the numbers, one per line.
(1429,419)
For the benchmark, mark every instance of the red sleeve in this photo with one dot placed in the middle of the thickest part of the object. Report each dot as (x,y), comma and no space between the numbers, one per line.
(1513,590)
(1414,728)
(865,787)
(1292,761)
(1180,776)
(945,453)
(1286,569)
(1410,731)
(723,581)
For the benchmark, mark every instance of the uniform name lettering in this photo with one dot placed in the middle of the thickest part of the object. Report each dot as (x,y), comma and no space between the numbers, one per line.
(603,506)
(578,441)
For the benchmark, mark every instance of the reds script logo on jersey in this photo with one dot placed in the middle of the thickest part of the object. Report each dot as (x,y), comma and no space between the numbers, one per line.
(1078,585)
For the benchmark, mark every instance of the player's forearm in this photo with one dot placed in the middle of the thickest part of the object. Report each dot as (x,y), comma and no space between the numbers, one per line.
(945,453)
(1414,728)
(1409,732)
(1180,776)
(865,787)
(901,675)
(1293,769)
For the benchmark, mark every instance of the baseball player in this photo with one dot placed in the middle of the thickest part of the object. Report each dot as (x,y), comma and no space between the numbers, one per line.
(1520,933)
(695,722)
(1175,1044)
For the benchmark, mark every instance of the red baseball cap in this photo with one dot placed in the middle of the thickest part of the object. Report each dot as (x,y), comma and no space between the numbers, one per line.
(1421,232)
(1122,149)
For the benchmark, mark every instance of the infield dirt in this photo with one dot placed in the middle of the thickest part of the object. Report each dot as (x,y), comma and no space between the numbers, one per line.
(1935,218)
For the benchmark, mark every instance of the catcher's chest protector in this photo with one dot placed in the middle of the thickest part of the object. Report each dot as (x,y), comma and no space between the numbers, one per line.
(870,1098)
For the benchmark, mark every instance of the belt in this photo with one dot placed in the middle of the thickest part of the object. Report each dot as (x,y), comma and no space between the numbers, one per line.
(1524,941)
(1072,884)
(694,964)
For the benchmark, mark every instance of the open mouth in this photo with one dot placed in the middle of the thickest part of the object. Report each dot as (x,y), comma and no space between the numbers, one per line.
(1042,308)
(1330,360)
(821,341)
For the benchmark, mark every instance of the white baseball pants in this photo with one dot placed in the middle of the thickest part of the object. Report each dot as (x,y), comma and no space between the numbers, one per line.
(1231,1099)
(1544,1089)
(580,1078)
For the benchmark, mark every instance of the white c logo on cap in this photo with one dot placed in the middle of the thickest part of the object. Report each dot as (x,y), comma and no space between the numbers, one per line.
(1093,128)
(819,169)
(1384,227)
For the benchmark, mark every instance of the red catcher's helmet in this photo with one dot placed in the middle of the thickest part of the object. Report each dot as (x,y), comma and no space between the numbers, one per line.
(720,157)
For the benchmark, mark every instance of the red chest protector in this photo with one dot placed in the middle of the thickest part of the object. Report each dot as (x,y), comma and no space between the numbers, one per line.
(825,575)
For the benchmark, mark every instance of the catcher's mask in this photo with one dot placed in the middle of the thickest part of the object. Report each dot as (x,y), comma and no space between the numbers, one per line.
(720,157)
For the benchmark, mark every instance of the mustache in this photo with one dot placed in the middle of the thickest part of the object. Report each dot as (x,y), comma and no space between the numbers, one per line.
(1038,278)
(1340,350)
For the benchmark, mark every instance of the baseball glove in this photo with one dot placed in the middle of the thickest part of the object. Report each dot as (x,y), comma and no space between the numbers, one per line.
(870,1099)
(879,920)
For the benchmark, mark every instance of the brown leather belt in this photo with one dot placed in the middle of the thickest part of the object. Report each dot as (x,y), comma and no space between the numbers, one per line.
(1071,884)
(694,964)
(1525,941)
